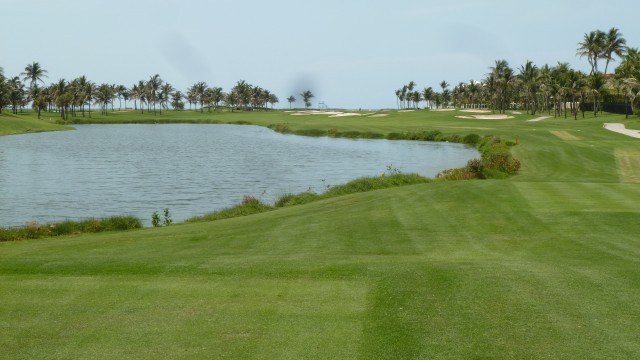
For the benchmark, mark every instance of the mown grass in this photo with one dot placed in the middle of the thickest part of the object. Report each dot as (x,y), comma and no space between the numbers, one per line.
(544,264)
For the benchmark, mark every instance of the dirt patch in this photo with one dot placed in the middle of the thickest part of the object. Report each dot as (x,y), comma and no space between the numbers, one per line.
(565,135)
(628,161)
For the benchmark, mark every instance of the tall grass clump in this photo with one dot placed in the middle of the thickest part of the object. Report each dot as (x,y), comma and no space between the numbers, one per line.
(249,206)
(496,161)
(34,230)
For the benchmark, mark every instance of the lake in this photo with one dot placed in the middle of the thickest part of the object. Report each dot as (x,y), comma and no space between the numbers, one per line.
(106,170)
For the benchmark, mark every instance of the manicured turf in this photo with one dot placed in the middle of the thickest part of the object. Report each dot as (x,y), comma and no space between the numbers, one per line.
(545,264)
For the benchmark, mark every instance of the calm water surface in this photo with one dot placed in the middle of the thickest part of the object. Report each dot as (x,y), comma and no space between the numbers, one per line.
(105,170)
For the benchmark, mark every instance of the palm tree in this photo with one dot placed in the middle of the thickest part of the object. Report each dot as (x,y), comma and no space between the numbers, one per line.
(153,88)
(306,98)
(34,73)
(272,99)
(630,87)
(198,91)
(291,100)
(614,43)
(530,81)
(217,96)
(176,100)
(592,46)
(427,95)
(596,84)
(4,91)
(630,65)
(122,92)
(165,93)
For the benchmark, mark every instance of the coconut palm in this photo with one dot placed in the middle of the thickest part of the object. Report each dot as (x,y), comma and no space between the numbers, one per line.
(427,95)
(597,86)
(630,65)
(614,43)
(153,90)
(630,87)
(291,100)
(34,73)
(593,47)
(176,100)
(529,74)
(306,98)
(217,96)
(198,94)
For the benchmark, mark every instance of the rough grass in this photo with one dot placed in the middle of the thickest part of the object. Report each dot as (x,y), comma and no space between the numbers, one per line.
(544,264)
(628,161)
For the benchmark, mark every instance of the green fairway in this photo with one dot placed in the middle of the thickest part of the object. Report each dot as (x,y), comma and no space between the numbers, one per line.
(543,265)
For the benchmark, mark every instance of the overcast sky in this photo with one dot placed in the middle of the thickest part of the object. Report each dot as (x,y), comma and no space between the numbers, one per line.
(350,53)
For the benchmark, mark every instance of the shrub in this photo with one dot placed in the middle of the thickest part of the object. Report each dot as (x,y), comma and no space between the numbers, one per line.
(332,132)
(249,206)
(311,132)
(281,128)
(395,136)
(33,230)
(297,199)
(471,139)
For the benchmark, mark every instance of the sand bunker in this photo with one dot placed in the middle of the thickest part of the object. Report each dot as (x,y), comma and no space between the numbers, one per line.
(486,117)
(480,111)
(378,115)
(406,111)
(345,114)
(539,119)
(621,129)
(444,110)
(316,112)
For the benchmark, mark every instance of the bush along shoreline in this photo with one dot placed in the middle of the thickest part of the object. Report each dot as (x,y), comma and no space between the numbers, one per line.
(34,230)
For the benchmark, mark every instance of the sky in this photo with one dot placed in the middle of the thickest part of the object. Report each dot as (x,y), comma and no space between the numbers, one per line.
(350,53)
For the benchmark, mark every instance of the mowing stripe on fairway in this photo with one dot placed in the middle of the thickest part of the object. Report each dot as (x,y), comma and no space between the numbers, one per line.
(565,135)
(628,161)
(555,196)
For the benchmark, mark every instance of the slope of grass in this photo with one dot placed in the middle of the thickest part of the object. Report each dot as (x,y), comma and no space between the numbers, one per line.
(11,124)
(545,264)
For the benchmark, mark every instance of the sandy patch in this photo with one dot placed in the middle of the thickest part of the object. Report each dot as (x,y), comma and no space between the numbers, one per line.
(345,114)
(315,112)
(565,135)
(628,161)
(406,111)
(486,117)
(378,115)
(444,110)
(539,119)
(516,113)
(479,111)
(621,129)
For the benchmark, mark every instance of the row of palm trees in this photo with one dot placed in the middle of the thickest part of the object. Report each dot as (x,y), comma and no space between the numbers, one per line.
(547,88)
(75,97)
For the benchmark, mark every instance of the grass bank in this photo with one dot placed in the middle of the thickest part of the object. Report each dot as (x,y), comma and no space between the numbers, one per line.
(544,264)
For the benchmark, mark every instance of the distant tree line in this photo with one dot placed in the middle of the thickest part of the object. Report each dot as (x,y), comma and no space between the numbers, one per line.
(75,98)
(547,88)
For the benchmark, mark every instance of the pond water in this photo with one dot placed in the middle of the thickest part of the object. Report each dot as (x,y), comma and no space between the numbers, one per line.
(106,170)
